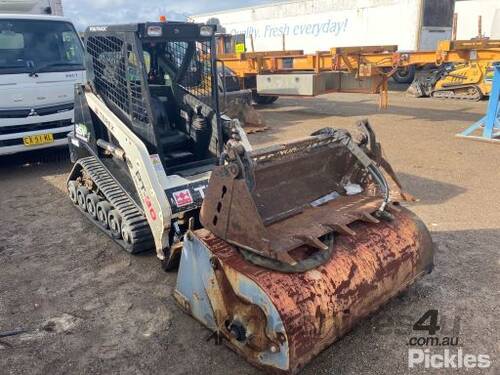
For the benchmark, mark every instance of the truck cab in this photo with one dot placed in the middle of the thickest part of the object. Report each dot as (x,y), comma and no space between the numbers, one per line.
(41,60)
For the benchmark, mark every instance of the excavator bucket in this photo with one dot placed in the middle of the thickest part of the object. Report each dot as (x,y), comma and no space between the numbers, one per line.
(272,201)
(238,105)
(300,242)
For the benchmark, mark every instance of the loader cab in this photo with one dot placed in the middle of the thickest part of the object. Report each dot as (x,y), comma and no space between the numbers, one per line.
(161,80)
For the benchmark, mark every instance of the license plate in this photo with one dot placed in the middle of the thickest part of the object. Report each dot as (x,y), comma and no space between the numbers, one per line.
(36,140)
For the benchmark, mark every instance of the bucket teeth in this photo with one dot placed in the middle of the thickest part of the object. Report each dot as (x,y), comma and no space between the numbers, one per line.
(341,228)
(369,218)
(313,242)
(286,258)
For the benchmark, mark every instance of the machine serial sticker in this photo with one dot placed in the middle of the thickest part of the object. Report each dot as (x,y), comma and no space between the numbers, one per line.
(182,198)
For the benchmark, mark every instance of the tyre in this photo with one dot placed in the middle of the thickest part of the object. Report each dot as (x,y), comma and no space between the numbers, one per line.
(404,75)
(271,99)
(263,100)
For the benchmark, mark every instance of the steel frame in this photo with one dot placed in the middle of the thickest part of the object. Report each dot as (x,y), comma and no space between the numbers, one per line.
(491,122)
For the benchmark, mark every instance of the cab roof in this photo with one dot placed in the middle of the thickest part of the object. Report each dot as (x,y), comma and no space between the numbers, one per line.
(35,17)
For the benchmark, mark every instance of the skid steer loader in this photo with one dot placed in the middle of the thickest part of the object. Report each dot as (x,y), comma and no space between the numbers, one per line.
(284,249)
(147,132)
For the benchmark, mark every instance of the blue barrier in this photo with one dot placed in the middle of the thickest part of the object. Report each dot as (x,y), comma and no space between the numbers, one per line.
(491,122)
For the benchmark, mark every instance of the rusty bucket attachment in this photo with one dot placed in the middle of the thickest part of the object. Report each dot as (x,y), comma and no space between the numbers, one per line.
(281,321)
(238,105)
(272,202)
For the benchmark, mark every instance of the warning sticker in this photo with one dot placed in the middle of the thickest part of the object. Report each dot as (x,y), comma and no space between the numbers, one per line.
(182,198)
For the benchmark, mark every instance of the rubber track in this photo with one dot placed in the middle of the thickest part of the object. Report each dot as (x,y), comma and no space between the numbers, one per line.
(132,216)
(450,94)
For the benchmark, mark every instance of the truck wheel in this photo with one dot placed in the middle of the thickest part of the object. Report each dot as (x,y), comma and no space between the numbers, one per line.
(263,99)
(271,99)
(404,75)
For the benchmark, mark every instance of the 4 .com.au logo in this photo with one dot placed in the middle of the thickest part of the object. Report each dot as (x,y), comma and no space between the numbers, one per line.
(431,351)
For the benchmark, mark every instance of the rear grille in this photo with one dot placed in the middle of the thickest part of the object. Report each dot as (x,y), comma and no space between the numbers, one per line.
(19,141)
(34,127)
(41,111)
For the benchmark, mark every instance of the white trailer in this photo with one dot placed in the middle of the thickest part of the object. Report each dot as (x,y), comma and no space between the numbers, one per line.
(316,25)
(41,60)
(468,13)
(495,28)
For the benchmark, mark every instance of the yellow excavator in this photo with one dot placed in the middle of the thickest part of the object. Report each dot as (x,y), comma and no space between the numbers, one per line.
(468,81)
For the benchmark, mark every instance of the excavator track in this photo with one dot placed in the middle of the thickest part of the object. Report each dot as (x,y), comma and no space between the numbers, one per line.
(102,199)
(471,93)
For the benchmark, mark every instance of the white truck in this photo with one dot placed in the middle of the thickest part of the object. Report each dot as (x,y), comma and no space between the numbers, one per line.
(318,25)
(41,60)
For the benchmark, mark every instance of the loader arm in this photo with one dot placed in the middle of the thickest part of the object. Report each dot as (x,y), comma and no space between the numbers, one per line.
(144,175)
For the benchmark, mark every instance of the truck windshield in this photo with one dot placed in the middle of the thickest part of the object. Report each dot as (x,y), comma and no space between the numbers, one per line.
(36,46)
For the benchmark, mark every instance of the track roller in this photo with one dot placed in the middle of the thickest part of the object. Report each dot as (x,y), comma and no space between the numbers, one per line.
(115,222)
(127,234)
(72,187)
(106,203)
(81,195)
(91,204)
(103,209)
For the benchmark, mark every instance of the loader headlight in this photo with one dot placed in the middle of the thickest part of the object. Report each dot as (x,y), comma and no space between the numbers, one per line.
(206,31)
(155,31)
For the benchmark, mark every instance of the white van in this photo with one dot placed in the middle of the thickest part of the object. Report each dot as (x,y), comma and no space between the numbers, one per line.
(41,60)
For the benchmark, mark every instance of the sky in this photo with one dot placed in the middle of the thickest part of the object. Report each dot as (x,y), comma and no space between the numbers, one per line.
(93,12)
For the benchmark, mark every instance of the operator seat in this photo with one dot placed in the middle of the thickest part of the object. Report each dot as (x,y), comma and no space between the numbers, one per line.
(175,144)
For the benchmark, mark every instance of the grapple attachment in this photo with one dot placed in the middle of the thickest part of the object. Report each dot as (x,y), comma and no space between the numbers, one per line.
(273,201)
(249,276)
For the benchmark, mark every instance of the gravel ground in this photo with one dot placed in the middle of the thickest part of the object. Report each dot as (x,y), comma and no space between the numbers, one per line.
(89,308)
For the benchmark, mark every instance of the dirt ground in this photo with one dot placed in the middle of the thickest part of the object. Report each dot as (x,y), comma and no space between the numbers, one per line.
(89,308)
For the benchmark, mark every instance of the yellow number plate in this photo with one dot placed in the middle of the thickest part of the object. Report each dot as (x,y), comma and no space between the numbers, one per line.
(36,140)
